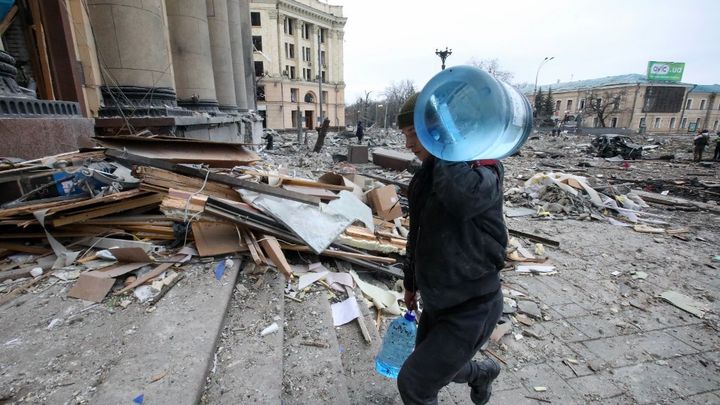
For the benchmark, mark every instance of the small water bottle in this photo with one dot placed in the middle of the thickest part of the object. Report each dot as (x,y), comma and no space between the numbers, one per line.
(397,345)
(464,113)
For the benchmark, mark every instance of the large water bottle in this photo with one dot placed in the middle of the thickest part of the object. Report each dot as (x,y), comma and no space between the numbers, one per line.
(397,345)
(463,113)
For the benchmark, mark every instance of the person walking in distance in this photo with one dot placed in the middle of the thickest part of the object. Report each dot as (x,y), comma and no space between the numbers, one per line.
(359,132)
(455,250)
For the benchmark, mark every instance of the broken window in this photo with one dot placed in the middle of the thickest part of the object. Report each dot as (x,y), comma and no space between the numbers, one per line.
(557,105)
(663,99)
(305,31)
(657,122)
(642,122)
(259,69)
(294,95)
(715,125)
(323,33)
(255,19)
(289,26)
(683,123)
(688,104)
(582,104)
(260,93)
(291,51)
(257,42)
(309,98)
(702,104)
(569,105)
(323,76)
(672,123)
(292,72)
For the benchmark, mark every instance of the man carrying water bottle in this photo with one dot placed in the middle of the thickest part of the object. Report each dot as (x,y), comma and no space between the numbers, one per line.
(456,247)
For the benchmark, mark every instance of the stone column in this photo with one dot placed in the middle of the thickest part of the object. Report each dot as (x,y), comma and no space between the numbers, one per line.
(191,57)
(221,54)
(134,54)
(238,54)
(246,35)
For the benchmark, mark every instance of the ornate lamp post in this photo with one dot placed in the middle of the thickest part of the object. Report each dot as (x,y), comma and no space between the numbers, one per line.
(547,59)
(443,55)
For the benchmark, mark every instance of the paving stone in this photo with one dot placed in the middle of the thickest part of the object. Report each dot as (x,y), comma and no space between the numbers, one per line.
(595,387)
(698,336)
(537,290)
(507,380)
(708,398)
(542,375)
(651,382)
(515,397)
(561,367)
(595,326)
(699,378)
(566,311)
(658,316)
(584,355)
(565,331)
(622,351)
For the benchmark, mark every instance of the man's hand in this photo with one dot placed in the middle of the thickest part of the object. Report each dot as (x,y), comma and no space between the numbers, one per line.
(410,300)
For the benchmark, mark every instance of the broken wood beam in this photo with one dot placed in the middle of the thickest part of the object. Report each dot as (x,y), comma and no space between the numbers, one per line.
(216,177)
(673,201)
(272,249)
(536,238)
(360,319)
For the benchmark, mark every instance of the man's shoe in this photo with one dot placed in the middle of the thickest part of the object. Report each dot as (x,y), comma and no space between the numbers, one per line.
(481,388)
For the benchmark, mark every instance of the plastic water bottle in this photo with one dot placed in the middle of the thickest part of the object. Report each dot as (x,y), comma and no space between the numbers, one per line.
(397,345)
(463,113)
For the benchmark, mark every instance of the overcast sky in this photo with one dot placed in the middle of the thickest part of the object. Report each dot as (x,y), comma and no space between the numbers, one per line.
(392,40)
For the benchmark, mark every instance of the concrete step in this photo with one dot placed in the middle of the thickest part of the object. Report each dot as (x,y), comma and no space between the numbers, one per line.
(312,369)
(249,366)
(174,345)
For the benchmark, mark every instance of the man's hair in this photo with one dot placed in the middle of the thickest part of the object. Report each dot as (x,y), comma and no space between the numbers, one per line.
(407,112)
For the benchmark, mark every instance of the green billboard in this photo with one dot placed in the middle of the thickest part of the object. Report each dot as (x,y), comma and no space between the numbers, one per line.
(665,71)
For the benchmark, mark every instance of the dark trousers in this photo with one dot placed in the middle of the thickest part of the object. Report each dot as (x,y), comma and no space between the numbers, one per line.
(446,342)
(716,154)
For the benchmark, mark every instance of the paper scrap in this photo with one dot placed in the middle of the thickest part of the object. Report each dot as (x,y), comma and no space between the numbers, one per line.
(339,280)
(384,300)
(309,278)
(345,311)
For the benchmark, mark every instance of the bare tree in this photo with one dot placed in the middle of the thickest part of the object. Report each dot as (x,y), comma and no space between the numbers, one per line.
(603,104)
(492,66)
(395,96)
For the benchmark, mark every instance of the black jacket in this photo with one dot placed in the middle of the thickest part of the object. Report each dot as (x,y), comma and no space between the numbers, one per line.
(457,240)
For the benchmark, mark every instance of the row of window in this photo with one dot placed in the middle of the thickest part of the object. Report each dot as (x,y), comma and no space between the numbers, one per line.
(291,72)
(657,123)
(289,26)
(688,104)
(294,94)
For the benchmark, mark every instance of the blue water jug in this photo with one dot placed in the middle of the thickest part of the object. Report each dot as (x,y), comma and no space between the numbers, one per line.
(464,113)
(397,345)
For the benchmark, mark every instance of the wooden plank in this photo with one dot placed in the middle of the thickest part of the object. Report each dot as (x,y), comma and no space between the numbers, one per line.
(19,247)
(247,236)
(30,208)
(45,80)
(339,254)
(298,181)
(220,178)
(123,195)
(167,179)
(108,209)
(360,319)
(272,248)
(15,274)
(217,238)
(669,200)
(536,238)
(5,24)
(150,275)
(318,192)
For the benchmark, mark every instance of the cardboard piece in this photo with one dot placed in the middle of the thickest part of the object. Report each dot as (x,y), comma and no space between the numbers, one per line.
(217,238)
(120,269)
(314,191)
(357,179)
(338,180)
(130,255)
(357,154)
(91,286)
(385,202)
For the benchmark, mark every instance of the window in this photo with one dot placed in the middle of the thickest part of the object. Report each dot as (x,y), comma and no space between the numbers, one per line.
(323,33)
(569,105)
(307,74)
(614,122)
(715,125)
(289,50)
(322,58)
(289,26)
(294,95)
(292,72)
(305,31)
(596,121)
(257,42)
(259,69)
(642,122)
(697,123)
(657,122)
(557,105)
(683,123)
(286,72)
(254,19)
(688,104)
(582,104)
(260,93)
(702,104)
(323,76)
(325,97)
(672,123)
(309,98)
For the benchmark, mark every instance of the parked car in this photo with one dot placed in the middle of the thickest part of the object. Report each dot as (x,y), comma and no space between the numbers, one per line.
(610,145)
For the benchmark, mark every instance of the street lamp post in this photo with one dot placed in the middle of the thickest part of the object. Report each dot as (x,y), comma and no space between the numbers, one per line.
(443,55)
(547,59)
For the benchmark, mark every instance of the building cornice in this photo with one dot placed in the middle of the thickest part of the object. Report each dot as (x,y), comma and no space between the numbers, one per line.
(313,14)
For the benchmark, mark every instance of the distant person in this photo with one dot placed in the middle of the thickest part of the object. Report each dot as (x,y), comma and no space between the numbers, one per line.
(716,154)
(269,139)
(359,131)
(700,141)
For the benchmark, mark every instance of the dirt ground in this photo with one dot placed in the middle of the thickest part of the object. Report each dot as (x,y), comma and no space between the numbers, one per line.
(604,335)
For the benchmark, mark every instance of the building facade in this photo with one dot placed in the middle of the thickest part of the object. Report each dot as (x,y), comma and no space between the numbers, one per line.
(633,103)
(298,62)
